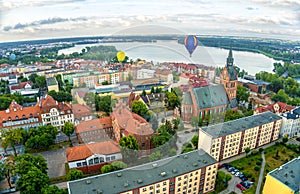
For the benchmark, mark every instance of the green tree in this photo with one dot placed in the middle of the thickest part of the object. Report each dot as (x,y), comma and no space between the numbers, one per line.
(11,137)
(103,104)
(32,78)
(33,181)
(285,139)
(107,168)
(68,129)
(74,174)
(195,121)
(194,141)
(7,169)
(26,161)
(173,99)
(53,190)
(129,146)
(242,94)
(139,108)
(247,150)
(41,82)
(281,96)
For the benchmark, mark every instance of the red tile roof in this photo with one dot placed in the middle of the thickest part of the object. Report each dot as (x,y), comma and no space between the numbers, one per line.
(131,122)
(80,111)
(94,124)
(20,86)
(282,107)
(47,103)
(84,151)
(16,112)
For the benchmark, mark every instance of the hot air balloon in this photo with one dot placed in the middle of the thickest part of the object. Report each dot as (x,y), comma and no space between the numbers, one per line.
(191,43)
(121,56)
(12,56)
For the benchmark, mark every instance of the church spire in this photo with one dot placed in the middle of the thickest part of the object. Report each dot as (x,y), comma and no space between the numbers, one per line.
(230,58)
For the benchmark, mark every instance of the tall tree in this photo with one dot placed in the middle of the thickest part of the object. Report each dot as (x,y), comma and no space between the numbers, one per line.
(139,108)
(129,142)
(33,181)
(11,137)
(68,129)
(242,94)
(41,82)
(7,170)
(26,161)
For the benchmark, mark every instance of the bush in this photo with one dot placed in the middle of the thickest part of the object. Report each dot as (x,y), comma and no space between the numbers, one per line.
(261,149)
(291,156)
(254,152)
(260,159)
(107,168)
(172,152)
(74,174)
(253,179)
(256,168)
(118,165)
(258,163)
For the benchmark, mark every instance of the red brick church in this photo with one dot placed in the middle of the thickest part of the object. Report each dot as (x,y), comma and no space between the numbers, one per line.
(212,99)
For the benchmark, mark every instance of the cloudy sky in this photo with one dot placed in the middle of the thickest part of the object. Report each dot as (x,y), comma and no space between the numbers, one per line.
(33,19)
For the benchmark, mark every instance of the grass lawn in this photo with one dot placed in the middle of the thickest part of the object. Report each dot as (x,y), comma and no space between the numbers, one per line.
(247,165)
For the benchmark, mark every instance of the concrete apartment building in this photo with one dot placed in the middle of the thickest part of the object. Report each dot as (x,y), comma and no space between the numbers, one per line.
(285,179)
(190,173)
(231,138)
(52,84)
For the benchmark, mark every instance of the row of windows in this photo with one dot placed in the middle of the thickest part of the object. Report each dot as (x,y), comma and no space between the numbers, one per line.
(11,123)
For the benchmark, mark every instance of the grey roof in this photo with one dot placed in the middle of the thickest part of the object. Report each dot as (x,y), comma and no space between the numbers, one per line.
(139,176)
(241,124)
(187,98)
(210,96)
(51,81)
(289,174)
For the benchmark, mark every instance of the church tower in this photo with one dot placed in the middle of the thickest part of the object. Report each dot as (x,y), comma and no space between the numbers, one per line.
(228,79)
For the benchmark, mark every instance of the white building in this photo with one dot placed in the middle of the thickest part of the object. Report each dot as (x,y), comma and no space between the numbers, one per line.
(145,74)
(290,123)
(93,154)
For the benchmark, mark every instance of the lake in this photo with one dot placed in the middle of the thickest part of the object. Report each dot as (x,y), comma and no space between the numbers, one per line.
(171,51)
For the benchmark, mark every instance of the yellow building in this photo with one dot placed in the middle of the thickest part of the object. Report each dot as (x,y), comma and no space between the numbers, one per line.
(52,84)
(285,179)
(231,138)
(190,173)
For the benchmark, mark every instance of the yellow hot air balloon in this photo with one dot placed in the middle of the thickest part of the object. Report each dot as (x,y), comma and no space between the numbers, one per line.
(121,56)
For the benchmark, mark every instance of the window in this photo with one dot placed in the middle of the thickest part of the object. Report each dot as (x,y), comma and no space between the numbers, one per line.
(164,183)
(113,157)
(91,162)
(78,164)
(101,159)
(84,163)
(107,159)
(96,160)
(144,189)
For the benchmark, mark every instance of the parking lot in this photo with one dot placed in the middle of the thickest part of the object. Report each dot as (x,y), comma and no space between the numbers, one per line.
(232,185)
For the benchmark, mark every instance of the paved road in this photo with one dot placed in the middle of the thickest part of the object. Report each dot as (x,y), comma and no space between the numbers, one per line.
(261,175)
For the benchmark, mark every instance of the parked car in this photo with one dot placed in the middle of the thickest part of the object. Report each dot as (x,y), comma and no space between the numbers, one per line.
(240,187)
(235,171)
(245,184)
(231,169)
(237,174)
(244,178)
(225,165)
(241,175)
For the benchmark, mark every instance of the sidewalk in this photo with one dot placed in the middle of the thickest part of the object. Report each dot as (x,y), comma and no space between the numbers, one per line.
(261,173)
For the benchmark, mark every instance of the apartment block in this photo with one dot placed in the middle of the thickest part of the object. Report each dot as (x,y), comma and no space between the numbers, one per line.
(231,138)
(285,179)
(190,173)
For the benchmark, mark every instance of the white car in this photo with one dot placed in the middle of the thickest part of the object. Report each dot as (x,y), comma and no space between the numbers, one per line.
(237,174)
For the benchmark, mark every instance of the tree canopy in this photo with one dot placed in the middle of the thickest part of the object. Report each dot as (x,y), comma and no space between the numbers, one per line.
(74,174)
(242,94)
(68,129)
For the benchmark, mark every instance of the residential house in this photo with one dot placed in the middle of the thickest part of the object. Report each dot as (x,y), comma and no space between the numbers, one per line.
(89,158)
(290,123)
(81,113)
(145,73)
(277,108)
(164,76)
(52,84)
(24,88)
(55,113)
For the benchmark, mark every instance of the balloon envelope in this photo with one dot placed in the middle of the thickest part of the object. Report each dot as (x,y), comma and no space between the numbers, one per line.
(12,56)
(190,43)
(121,56)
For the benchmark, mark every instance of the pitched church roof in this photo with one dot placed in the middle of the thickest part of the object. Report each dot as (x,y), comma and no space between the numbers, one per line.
(210,96)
